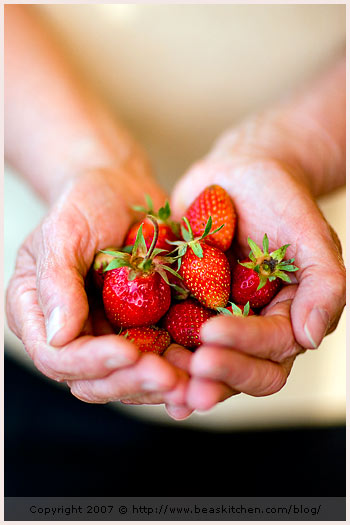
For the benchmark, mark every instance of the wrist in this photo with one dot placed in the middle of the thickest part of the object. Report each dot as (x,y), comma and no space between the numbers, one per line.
(291,138)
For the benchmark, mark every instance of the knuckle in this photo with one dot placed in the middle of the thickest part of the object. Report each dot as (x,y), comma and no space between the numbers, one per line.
(82,390)
(290,351)
(45,367)
(275,381)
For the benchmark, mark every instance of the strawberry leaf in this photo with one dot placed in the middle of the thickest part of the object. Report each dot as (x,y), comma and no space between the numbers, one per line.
(111,252)
(116,263)
(266,245)
(186,234)
(127,249)
(146,265)
(140,247)
(139,208)
(217,229)
(149,203)
(224,311)
(175,243)
(283,276)
(236,310)
(197,249)
(164,276)
(262,282)
(246,309)
(207,227)
(164,212)
(280,253)
(170,270)
(288,267)
(255,248)
(182,250)
(250,265)
(186,221)
(157,251)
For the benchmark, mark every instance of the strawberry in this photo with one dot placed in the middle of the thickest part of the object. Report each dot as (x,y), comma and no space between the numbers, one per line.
(148,338)
(184,320)
(136,290)
(236,309)
(167,228)
(258,278)
(100,263)
(213,202)
(204,269)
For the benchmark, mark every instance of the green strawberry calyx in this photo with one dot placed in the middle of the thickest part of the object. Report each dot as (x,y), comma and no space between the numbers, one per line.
(190,241)
(269,266)
(236,311)
(162,215)
(142,261)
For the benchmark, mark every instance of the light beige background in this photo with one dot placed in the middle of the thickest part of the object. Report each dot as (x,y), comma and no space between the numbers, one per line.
(178,75)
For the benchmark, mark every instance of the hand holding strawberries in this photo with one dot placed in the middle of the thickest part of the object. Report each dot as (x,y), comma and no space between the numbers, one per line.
(255,355)
(63,328)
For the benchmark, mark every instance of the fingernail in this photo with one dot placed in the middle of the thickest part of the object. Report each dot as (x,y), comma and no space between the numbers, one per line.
(219,335)
(54,324)
(116,362)
(316,326)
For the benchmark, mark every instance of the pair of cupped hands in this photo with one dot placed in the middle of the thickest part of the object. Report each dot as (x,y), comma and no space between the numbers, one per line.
(69,339)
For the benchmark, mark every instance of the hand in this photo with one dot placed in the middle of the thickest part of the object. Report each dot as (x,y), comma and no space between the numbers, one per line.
(47,304)
(255,355)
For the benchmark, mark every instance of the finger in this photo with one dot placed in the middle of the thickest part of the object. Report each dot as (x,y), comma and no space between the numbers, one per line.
(178,356)
(241,372)
(151,373)
(178,412)
(267,336)
(175,396)
(203,394)
(320,297)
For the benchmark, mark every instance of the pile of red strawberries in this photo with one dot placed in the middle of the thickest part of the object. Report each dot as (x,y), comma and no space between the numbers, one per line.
(169,278)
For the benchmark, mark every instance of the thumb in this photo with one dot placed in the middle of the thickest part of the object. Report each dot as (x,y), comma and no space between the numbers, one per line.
(320,296)
(63,257)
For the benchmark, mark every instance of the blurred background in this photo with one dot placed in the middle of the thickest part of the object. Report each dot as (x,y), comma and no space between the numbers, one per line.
(177,76)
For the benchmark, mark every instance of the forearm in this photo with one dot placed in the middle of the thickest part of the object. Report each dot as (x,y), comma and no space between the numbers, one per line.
(55,129)
(305,133)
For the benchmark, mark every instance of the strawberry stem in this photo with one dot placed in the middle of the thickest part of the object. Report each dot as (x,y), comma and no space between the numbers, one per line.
(155,238)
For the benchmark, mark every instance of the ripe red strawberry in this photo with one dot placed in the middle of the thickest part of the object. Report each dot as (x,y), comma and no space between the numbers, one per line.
(100,263)
(167,228)
(257,279)
(205,269)
(184,320)
(136,290)
(213,202)
(237,309)
(148,338)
